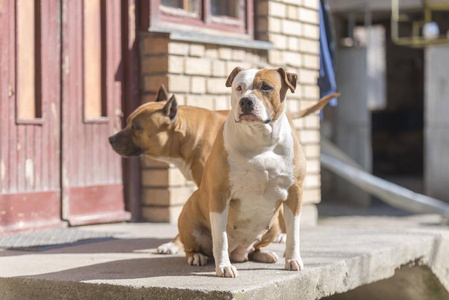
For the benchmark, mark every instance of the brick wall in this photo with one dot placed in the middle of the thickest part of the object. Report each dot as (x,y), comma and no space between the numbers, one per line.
(196,73)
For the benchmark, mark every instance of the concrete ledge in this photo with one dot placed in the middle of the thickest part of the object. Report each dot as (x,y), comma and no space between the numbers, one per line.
(340,254)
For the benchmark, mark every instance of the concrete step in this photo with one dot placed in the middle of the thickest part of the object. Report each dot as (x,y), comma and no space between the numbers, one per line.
(340,254)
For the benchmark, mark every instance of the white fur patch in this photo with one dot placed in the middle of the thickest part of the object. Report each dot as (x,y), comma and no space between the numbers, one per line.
(261,167)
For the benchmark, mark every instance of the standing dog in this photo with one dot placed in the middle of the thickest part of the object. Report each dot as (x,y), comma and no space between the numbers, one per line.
(256,165)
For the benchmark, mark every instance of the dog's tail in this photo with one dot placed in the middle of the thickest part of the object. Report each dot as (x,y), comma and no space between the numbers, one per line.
(320,105)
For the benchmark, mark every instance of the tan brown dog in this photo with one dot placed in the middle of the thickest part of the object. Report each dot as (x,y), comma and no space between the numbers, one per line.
(180,135)
(256,165)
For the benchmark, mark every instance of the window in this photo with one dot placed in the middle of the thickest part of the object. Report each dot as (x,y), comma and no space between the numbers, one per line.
(94,60)
(234,16)
(28,99)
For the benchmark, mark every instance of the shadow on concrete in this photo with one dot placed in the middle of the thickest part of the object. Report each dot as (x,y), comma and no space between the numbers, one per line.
(155,266)
(110,245)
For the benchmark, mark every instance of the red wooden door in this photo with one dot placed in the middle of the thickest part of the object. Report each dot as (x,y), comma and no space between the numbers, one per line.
(60,99)
(91,107)
(30,119)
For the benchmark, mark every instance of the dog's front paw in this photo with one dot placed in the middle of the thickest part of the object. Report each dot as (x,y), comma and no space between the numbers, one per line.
(281,238)
(227,270)
(294,264)
(167,248)
(197,259)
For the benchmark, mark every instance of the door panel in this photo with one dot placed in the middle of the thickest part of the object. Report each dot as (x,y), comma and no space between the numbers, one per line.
(30,121)
(91,171)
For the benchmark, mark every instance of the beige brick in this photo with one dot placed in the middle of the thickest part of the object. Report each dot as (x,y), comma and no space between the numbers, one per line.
(312,181)
(197,50)
(162,177)
(299,123)
(217,86)
(275,57)
(308,76)
(313,166)
(274,25)
(292,12)
(292,104)
(311,92)
(291,27)
(310,31)
(313,4)
(309,136)
(155,46)
(198,85)
(156,214)
(311,61)
(222,103)
(230,65)
(293,44)
(225,53)
(197,66)
(152,83)
(176,64)
(148,162)
(167,196)
(279,41)
(211,52)
(308,15)
(181,99)
(312,122)
(218,68)
(178,48)
(295,2)
(179,84)
(276,9)
(312,195)
(238,54)
(309,46)
(292,59)
(312,151)
(206,102)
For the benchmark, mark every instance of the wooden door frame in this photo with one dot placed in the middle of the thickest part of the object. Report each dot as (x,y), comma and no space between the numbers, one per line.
(130,101)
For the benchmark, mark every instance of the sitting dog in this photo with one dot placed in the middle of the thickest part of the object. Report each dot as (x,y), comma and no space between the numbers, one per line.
(181,135)
(255,166)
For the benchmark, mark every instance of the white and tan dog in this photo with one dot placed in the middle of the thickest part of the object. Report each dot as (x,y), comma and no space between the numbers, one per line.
(255,166)
(181,135)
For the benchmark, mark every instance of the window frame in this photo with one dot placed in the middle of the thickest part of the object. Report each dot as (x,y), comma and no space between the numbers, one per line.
(154,18)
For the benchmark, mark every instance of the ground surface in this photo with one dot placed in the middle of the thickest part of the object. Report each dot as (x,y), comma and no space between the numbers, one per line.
(339,255)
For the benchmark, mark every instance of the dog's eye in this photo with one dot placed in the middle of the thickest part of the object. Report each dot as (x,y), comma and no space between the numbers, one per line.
(266,88)
(134,127)
(239,88)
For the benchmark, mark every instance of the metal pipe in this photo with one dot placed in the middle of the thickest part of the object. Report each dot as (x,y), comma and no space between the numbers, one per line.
(388,192)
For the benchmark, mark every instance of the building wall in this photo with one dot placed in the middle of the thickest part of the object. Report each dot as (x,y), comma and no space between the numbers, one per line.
(196,73)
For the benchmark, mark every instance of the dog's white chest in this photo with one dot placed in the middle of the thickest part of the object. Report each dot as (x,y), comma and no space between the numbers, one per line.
(265,177)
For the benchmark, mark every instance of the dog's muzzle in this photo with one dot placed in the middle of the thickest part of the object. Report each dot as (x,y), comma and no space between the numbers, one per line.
(123,145)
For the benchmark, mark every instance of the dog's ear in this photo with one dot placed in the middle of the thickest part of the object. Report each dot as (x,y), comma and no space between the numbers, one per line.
(170,108)
(289,78)
(232,76)
(162,94)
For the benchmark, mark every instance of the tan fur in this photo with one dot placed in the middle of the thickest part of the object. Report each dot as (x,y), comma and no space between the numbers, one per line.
(214,193)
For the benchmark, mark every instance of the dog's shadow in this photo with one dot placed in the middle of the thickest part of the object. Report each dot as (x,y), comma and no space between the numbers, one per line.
(154,265)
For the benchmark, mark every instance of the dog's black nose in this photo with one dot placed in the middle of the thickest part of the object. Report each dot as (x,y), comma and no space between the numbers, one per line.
(112,139)
(246,104)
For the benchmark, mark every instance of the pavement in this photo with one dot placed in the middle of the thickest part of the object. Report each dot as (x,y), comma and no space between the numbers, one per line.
(340,254)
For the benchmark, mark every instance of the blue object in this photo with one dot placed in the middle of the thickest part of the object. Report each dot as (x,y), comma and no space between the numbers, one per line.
(326,81)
